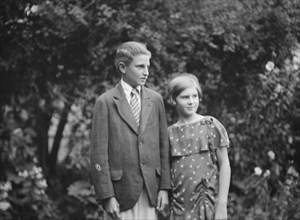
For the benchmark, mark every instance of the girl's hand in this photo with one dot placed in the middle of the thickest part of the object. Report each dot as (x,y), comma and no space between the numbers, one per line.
(221,211)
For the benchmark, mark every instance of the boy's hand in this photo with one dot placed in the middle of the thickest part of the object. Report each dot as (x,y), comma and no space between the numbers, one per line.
(162,205)
(112,207)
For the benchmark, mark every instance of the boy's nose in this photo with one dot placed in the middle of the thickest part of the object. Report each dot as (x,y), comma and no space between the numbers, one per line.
(146,71)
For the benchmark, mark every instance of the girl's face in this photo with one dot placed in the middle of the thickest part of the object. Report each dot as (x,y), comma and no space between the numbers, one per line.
(187,102)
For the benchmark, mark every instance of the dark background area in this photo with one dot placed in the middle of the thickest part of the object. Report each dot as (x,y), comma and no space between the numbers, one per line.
(56,58)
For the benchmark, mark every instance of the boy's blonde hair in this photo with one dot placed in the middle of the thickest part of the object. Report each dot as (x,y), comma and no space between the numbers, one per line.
(180,83)
(126,52)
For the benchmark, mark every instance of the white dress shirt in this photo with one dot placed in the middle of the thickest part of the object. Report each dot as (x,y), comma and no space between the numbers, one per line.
(127,89)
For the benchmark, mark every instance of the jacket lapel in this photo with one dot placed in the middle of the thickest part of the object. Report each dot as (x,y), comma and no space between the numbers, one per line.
(146,108)
(124,108)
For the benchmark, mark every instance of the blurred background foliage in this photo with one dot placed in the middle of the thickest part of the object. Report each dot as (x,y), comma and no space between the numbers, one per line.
(57,56)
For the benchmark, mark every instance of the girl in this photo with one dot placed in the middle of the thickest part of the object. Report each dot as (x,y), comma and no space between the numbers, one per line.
(200,166)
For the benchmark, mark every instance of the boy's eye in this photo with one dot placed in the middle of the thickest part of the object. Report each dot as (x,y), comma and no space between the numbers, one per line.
(142,67)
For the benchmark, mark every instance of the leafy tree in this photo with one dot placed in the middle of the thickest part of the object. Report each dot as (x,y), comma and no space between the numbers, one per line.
(56,57)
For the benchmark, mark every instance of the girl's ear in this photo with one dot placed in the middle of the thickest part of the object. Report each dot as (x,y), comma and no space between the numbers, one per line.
(122,67)
(172,102)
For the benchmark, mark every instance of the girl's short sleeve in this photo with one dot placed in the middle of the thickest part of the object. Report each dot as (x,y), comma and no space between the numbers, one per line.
(220,136)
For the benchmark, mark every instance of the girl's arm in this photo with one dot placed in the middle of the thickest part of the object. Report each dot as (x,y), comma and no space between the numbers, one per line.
(224,182)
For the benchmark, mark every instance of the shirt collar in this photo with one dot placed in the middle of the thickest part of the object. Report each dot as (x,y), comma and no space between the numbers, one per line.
(128,88)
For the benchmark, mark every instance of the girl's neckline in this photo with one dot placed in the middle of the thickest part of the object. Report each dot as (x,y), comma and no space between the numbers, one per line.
(176,125)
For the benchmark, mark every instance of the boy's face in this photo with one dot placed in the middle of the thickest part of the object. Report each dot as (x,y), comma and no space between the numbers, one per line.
(136,73)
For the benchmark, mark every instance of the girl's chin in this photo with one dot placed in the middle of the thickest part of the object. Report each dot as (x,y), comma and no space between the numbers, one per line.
(191,110)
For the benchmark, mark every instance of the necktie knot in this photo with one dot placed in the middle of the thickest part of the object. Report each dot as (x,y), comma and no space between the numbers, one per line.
(134,91)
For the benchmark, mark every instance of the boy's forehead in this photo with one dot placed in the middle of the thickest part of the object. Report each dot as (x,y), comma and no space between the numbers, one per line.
(141,58)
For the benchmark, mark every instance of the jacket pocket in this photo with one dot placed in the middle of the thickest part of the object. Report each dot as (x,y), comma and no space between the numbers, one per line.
(116,175)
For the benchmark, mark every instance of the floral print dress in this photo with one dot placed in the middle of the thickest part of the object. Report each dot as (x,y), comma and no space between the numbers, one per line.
(194,168)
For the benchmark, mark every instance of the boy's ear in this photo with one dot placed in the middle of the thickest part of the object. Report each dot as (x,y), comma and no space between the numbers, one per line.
(122,67)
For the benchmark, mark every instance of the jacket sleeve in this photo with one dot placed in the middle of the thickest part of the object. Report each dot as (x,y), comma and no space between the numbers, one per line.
(165,182)
(99,151)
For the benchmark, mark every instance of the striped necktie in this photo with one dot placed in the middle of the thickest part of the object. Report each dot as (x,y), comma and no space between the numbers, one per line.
(135,105)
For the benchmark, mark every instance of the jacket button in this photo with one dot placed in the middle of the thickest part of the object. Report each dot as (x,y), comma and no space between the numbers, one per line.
(98,167)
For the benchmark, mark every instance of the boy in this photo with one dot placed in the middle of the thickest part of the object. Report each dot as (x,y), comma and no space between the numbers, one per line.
(130,149)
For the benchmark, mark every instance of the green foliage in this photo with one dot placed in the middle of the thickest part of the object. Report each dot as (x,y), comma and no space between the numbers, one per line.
(83,192)
(253,198)
(23,191)
(56,58)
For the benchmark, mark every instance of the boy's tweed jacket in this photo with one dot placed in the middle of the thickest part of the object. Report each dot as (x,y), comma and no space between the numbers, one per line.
(124,157)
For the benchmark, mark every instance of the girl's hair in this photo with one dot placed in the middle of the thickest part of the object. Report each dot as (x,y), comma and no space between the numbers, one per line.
(128,50)
(180,83)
